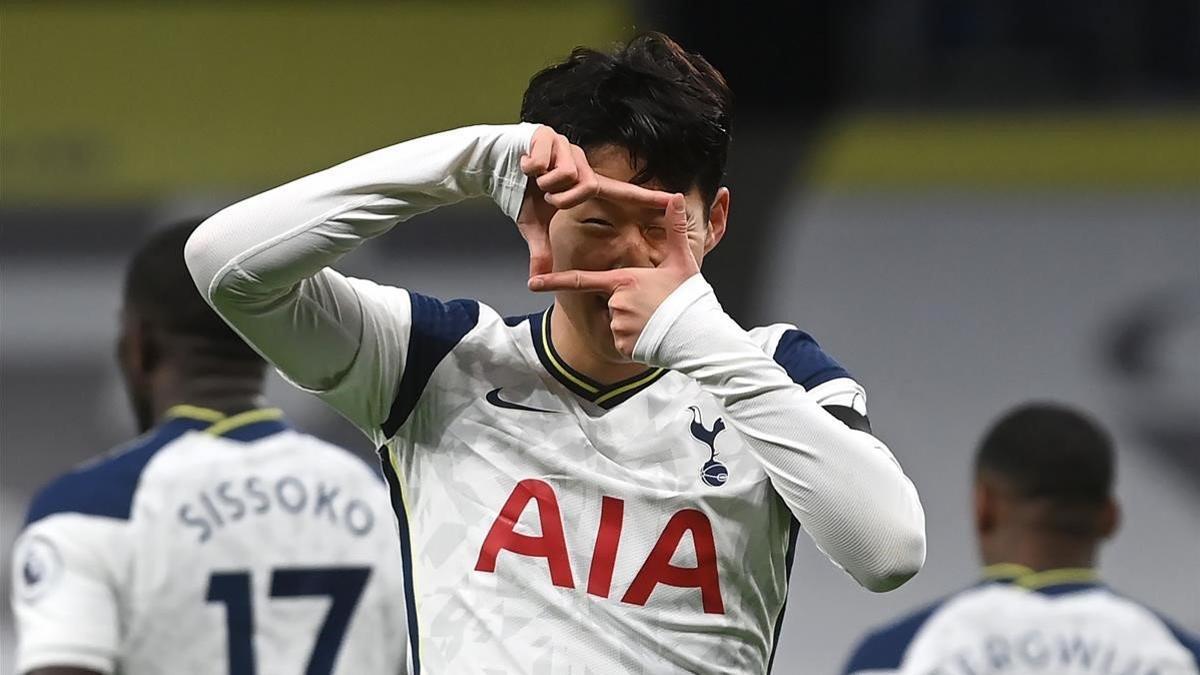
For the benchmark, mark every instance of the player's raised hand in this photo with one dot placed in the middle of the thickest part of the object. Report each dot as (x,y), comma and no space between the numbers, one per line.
(563,179)
(634,293)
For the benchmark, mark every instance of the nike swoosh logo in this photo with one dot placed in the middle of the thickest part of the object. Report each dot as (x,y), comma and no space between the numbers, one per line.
(493,397)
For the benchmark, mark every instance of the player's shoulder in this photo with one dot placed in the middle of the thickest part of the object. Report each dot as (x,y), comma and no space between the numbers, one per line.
(884,647)
(806,362)
(332,458)
(439,327)
(105,486)
(435,326)
(465,334)
(1138,618)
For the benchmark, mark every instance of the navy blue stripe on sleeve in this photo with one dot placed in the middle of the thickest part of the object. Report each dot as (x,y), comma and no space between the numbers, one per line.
(1185,639)
(805,363)
(437,327)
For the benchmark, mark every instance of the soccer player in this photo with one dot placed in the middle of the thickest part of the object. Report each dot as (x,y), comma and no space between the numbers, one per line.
(616,483)
(1043,506)
(219,541)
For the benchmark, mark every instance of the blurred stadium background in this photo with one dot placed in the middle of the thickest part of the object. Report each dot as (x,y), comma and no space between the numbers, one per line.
(970,203)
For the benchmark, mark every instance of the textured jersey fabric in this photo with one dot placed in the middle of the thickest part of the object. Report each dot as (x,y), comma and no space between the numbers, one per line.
(550,523)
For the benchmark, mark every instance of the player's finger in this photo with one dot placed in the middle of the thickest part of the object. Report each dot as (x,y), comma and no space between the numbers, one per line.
(583,191)
(540,261)
(579,280)
(587,183)
(565,170)
(628,193)
(541,151)
(677,227)
(538,240)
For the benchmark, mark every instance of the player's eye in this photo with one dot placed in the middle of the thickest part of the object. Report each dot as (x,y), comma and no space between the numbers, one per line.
(598,221)
(654,230)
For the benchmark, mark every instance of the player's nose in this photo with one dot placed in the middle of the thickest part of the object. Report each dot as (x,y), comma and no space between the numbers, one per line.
(635,250)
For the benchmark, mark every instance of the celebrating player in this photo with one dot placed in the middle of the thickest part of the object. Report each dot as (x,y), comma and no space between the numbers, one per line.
(1043,505)
(220,541)
(614,484)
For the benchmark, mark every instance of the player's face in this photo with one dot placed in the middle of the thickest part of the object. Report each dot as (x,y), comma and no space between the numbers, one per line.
(603,235)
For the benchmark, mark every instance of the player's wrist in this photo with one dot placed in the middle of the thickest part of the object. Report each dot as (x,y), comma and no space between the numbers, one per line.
(508,184)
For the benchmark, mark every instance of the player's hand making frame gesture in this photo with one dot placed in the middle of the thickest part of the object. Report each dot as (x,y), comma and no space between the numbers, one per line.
(634,293)
(562,179)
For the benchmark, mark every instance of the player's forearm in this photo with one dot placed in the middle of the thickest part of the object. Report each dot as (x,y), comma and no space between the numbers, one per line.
(263,262)
(843,485)
(268,242)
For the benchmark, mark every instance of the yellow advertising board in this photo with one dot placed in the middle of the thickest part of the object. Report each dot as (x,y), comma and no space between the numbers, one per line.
(125,101)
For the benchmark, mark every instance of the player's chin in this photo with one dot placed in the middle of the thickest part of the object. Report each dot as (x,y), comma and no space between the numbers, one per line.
(600,316)
(600,326)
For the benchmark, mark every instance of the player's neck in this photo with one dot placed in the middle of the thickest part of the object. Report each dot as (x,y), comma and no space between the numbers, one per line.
(226,394)
(1040,552)
(572,346)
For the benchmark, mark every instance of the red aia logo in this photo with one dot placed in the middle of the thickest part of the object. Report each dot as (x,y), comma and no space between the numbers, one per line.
(552,545)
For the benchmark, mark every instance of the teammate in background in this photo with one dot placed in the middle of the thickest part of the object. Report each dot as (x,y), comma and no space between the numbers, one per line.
(219,541)
(1043,506)
(614,484)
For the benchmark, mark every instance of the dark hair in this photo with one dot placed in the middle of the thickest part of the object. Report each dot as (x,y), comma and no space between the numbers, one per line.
(1049,451)
(160,289)
(668,108)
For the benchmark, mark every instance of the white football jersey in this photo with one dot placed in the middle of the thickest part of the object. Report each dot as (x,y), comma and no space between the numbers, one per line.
(550,524)
(1058,621)
(212,545)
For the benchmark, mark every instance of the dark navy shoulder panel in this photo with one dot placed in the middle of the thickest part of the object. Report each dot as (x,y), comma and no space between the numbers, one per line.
(884,648)
(106,486)
(805,363)
(1067,588)
(1188,641)
(437,327)
(256,431)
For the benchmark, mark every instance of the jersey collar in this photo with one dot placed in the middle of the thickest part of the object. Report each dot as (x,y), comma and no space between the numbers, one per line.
(245,426)
(606,396)
(1047,582)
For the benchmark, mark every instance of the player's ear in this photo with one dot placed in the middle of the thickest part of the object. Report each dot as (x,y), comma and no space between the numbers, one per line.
(140,350)
(985,508)
(718,217)
(127,352)
(1110,518)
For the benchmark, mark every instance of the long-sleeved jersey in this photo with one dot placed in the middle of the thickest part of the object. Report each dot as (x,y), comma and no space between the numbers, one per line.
(550,523)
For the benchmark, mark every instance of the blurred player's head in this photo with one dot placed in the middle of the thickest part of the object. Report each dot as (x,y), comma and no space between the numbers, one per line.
(649,113)
(172,347)
(1044,488)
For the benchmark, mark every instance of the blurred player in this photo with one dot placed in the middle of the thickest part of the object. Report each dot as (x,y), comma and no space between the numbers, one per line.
(221,540)
(1043,505)
(610,485)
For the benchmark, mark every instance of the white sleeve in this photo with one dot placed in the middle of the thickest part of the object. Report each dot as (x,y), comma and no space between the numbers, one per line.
(843,485)
(263,263)
(65,592)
